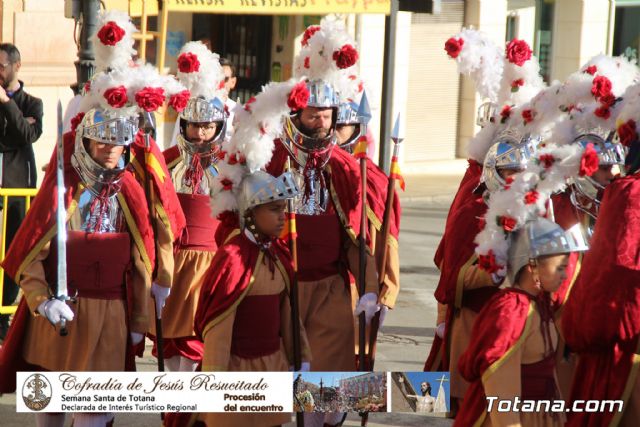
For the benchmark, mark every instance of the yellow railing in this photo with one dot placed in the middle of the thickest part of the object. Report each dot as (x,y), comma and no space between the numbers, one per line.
(5,193)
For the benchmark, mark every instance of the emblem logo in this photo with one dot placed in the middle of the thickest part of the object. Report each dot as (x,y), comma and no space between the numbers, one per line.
(36,392)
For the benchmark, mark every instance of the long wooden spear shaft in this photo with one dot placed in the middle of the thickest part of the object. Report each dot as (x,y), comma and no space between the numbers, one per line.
(386,230)
(293,297)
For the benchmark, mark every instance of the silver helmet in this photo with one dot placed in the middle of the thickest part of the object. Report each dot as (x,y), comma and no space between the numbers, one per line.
(260,187)
(587,189)
(201,110)
(510,151)
(542,237)
(348,116)
(486,113)
(300,145)
(108,128)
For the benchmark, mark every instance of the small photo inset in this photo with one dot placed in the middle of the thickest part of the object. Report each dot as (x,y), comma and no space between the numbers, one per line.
(420,392)
(340,392)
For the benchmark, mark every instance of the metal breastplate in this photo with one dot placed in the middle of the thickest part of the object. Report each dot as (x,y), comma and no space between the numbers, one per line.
(179,175)
(317,197)
(112,219)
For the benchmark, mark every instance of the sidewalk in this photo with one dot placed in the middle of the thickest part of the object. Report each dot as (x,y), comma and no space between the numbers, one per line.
(432,181)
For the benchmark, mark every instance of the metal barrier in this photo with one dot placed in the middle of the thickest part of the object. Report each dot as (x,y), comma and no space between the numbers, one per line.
(5,193)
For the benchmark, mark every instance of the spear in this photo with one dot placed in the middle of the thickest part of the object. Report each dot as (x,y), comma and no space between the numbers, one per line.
(386,223)
(293,298)
(360,153)
(148,128)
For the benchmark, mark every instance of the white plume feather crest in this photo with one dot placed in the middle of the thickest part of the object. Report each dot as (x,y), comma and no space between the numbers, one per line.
(208,81)
(120,54)
(134,79)
(520,83)
(510,202)
(250,148)
(630,106)
(318,52)
(482,60)
(482,141)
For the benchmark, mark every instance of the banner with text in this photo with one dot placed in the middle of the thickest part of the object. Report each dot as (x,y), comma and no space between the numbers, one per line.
(154,392)
(279,7)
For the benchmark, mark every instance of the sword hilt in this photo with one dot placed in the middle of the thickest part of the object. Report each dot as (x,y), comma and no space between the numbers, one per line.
(63,322)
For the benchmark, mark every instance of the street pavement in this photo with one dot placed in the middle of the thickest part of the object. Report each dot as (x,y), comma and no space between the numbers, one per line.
(406,336)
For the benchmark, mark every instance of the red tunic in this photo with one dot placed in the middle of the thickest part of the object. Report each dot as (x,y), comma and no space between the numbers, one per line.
(601,320)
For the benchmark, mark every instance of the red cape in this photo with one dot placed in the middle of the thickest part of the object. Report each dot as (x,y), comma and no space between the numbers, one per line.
(168,205)
(455,250)
(462,227)
(41,218)
(498,327)
(229,275)
(601,320)
(345,183)
(38,228)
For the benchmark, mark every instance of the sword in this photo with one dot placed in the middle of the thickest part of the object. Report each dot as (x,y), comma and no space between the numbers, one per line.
(62,293)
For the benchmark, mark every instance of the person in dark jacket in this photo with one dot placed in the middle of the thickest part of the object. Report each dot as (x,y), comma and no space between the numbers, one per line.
(20,127)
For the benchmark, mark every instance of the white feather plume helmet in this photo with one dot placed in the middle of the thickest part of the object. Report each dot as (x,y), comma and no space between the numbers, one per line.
(628,117)
(521,79)
(257,125)
(480,58)
(113,41)
(526,196)
(132,89)
(200,71)
(328,53)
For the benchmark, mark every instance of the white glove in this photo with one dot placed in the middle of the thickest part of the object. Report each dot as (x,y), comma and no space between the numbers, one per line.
(440,330)
(136,338)
(304,367)
(55,310)
(368,304)
(160,294)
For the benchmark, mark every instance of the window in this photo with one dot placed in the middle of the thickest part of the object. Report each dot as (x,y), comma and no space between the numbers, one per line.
(544,36)
(626,32)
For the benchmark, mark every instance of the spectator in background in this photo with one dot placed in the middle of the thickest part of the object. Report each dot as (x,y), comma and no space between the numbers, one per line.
(230,81)
(20,126)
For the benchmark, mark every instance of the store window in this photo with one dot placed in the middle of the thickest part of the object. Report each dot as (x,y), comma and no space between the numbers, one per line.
(243,39)
(626,32)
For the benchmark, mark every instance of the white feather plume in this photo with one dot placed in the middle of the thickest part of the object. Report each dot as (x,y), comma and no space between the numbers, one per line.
(120,55)
(208,81)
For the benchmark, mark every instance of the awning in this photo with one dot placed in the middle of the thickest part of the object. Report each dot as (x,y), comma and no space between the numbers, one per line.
(279,7)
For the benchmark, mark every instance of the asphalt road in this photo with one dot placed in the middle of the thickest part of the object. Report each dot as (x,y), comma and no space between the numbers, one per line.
(406,336)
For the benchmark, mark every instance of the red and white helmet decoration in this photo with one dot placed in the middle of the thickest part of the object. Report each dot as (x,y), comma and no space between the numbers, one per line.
(251,146)
(113,42)
(200,71)
(328,53)
(560,114)
(122,86)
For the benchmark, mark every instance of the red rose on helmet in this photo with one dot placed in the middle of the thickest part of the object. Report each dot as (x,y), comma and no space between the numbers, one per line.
(608,100)
(75,121)
(180,100)
(227,184)
(507,223)
(87,87)
(150,98)
(116,96)
(601,86)
(518,52)
(516,84)
(453,47)
(547,160)
(188,63)
(527,115)
(603,112)
(298,97)
(589,161)
(308,33)
(110,33)
(505,113)
(531,197)
(306,62)
(627,132)
(591,69)
(346,57)
(488,262)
